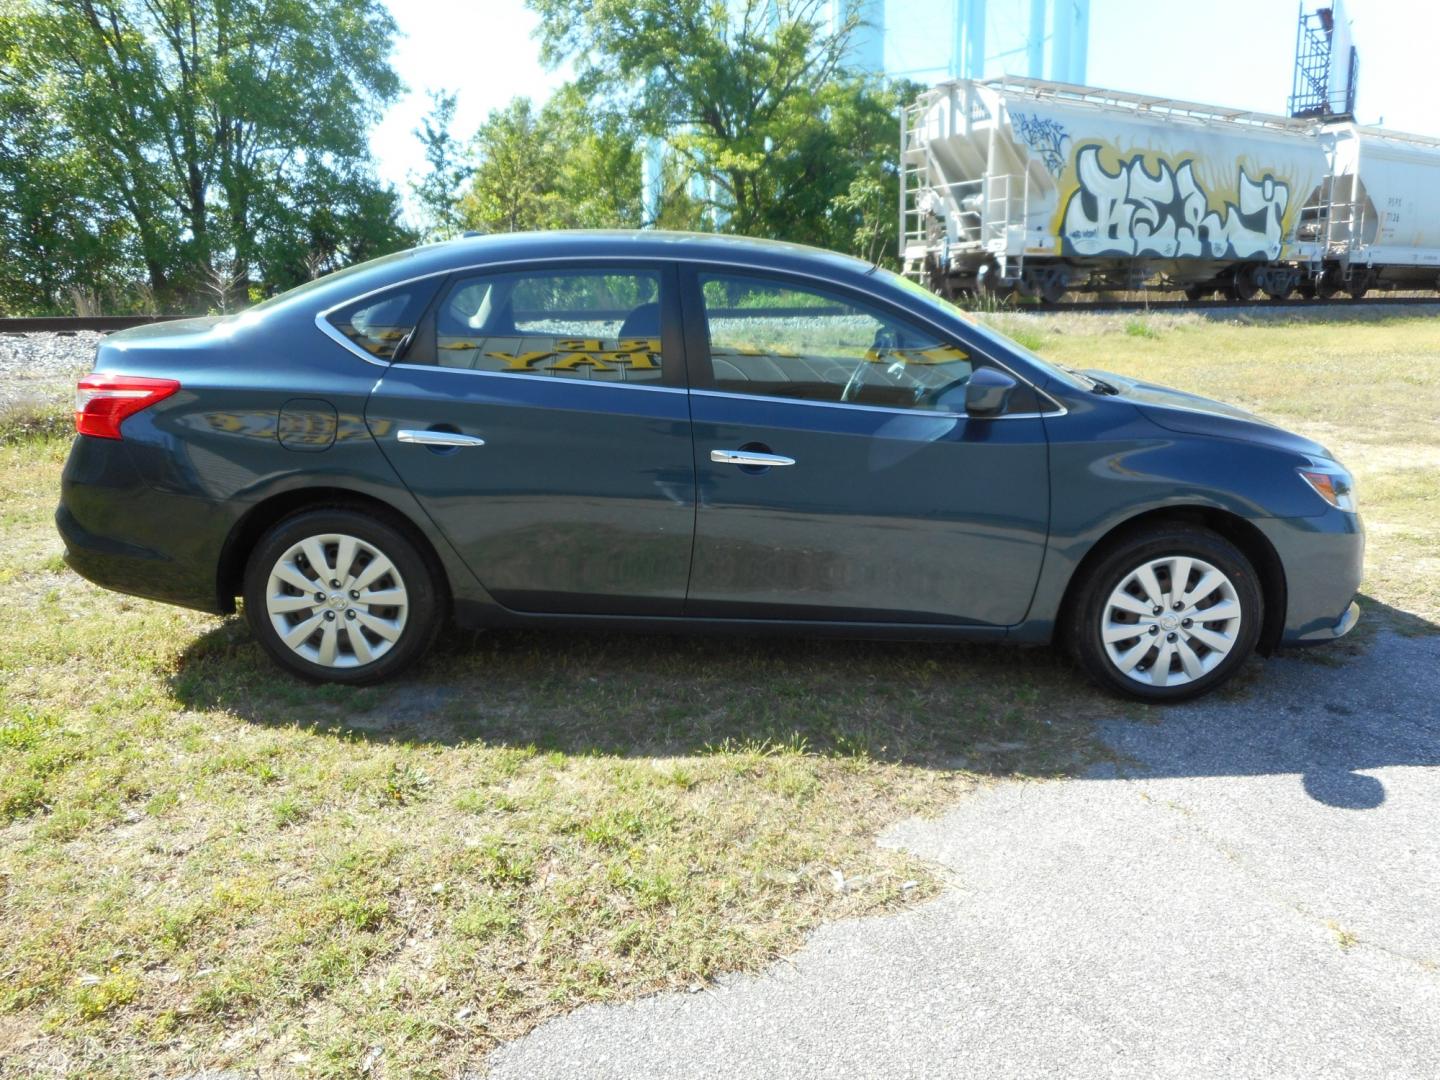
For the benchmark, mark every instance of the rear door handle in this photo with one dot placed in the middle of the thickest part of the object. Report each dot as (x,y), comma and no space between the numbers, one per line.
(748,457)
(437,438)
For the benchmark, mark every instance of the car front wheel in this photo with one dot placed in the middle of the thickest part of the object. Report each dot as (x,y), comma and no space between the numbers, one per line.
(1167,615)
(340,596)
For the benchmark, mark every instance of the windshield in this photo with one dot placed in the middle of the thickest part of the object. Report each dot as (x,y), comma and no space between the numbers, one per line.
(991,335)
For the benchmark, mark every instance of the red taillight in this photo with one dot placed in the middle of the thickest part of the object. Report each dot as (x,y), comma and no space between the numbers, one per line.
(103,401)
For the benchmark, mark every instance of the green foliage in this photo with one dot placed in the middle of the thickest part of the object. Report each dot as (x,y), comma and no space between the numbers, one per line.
(870,203)
(564,166)
(437,191)
(187,143)
(57,230)
(755,100)
(185,154)
(332,216)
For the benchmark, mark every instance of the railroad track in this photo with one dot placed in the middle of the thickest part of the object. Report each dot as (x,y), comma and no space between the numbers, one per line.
(1224,305)
(109,323)
(71,324)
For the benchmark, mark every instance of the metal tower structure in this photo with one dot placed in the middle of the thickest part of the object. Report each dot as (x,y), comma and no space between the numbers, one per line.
(1327,67)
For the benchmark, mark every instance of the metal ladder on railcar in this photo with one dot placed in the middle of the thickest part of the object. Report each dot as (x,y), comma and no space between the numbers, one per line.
(923,248)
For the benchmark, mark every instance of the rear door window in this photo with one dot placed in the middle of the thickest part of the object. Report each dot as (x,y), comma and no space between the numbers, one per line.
(594,324)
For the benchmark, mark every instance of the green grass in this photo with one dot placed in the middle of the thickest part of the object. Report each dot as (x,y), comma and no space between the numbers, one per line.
(1140,328)
(203,862)
(26,423)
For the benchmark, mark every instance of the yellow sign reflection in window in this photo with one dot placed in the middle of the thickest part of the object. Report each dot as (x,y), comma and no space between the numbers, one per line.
(566,354)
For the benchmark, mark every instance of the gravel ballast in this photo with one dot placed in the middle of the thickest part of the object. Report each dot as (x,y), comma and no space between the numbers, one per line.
(41,369)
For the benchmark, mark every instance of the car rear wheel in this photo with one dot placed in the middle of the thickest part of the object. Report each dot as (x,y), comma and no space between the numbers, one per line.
(1167,615)
(339,596)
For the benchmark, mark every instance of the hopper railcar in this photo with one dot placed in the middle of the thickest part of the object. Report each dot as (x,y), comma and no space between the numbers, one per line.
(1038,188)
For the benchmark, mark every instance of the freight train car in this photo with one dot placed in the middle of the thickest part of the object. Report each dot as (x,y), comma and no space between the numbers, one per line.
(1018,185)
(1375,221)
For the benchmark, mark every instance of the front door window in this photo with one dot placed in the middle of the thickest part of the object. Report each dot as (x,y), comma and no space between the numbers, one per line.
(778,339)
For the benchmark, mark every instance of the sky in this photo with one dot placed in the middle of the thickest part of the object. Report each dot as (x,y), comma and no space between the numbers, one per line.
(485,52)
(1241,53)
(1237,53)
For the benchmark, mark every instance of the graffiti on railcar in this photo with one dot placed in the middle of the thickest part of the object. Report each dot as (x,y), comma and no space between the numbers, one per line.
(1045,137)
(1133,211)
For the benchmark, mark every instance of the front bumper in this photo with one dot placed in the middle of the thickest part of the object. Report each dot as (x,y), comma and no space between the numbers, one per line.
(1343,626)
(1324,561)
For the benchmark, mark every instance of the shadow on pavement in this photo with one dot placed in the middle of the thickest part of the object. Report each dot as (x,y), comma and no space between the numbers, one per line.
(1326,713)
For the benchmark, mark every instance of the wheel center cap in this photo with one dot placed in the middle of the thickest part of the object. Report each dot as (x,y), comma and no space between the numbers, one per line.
(1169,622)
(337,600)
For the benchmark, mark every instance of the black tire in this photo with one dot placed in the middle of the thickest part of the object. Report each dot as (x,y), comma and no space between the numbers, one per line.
(423,610)
(1087,614)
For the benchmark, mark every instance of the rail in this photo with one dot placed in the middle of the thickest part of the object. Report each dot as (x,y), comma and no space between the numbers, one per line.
(70,324)
(1372,300)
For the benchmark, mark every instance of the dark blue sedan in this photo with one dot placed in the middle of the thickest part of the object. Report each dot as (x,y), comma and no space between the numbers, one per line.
(659,431)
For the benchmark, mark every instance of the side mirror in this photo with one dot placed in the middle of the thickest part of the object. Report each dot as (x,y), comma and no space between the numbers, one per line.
(988,392)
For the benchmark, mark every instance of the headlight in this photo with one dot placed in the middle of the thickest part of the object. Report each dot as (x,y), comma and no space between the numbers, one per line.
(1333,484)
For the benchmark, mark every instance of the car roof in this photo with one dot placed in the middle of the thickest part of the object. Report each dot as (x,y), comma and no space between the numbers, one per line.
(478,251)
(637,243)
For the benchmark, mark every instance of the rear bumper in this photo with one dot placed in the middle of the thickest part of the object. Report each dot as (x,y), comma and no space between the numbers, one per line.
(124,535)
(129,568)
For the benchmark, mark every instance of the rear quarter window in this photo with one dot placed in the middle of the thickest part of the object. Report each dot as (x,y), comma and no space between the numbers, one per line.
(380,325)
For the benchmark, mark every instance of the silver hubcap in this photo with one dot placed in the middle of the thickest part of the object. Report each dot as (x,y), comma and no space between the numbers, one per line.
(1171,621)
(337,601)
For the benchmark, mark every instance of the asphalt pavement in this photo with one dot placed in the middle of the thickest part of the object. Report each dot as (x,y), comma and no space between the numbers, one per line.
(1255,893)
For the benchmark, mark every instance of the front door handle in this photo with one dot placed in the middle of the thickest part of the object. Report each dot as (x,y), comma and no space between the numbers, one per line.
(749,457)
(438,438)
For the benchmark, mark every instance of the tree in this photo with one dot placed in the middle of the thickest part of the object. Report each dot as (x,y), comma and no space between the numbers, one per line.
(512,189)
(863,218)
(204,120)
(562,167)
(754,97)
(599,163)
(438,190)
(57,231)
(328,219)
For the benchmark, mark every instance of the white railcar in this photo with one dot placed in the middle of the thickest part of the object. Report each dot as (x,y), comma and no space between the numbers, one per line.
(1376,219)
(1018,184)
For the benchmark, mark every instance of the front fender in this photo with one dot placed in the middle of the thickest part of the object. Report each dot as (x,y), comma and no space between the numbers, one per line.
(1110,464)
